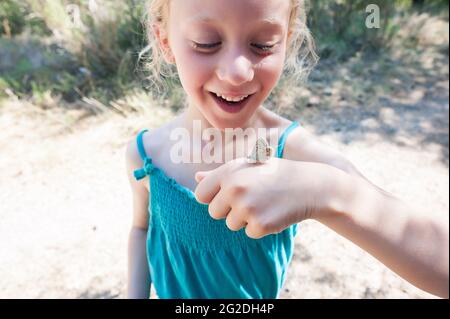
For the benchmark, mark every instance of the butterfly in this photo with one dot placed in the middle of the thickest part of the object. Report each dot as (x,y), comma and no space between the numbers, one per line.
(261,152)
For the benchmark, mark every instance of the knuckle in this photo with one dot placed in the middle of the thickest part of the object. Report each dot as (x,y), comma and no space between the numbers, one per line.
(250,210)
(266,227)
(237,190)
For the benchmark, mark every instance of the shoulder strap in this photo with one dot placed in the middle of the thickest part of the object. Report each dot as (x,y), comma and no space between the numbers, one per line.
(283,137)
(148,166)
(140,145)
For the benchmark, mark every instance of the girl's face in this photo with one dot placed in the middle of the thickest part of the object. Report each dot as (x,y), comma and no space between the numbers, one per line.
(233,48)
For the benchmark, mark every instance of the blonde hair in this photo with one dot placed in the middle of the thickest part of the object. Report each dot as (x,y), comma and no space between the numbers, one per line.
(300,55)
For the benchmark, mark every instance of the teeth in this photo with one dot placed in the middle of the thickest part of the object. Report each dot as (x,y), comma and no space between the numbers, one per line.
(231,99)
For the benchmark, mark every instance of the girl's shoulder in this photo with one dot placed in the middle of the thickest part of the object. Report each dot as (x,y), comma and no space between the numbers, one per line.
(154,142)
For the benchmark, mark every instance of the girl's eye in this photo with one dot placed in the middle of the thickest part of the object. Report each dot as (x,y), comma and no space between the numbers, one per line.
(204,45)
(262,47)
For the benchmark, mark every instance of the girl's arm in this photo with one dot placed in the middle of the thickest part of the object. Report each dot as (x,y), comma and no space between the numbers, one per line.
(139,281)
(138,274)
(414,245)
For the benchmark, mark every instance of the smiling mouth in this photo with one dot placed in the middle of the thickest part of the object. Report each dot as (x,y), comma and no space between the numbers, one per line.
(230,107)
(219,98)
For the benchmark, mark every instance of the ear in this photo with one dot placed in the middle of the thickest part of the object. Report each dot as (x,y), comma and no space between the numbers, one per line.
(163,41)
(289,39)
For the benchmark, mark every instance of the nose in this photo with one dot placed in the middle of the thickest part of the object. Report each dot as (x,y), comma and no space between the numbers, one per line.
(236,70)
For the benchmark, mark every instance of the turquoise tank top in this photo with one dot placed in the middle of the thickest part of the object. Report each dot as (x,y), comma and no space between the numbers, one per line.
(192,255)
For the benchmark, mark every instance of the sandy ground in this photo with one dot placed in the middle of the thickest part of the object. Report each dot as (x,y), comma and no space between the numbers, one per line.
(65,204)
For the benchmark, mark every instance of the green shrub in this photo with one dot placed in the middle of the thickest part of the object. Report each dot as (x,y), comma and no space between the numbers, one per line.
(340,30)
(17,16)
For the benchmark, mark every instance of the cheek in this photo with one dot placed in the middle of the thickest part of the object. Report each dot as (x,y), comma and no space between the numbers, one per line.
(270,69)
(194,70)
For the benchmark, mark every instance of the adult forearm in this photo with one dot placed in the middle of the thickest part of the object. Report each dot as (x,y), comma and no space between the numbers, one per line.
(413,245)
(138,274)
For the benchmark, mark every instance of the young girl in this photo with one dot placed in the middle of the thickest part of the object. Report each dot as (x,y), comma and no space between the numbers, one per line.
(229,232)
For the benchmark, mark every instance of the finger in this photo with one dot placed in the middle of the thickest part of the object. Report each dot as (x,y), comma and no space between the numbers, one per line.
(200,175)
(254,232)
(234,221)
(209,186)
(219,206)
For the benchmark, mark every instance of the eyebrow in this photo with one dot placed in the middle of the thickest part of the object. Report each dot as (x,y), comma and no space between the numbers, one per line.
(206,19)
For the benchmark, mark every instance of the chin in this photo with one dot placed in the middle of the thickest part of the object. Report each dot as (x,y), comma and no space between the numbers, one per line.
(222,124)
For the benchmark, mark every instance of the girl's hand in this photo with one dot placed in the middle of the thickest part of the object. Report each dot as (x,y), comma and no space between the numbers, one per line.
(269,197)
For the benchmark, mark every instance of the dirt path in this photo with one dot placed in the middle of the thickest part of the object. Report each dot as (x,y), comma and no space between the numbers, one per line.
(66,209)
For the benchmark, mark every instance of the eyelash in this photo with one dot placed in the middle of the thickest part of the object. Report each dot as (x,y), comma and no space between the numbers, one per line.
(265,48)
